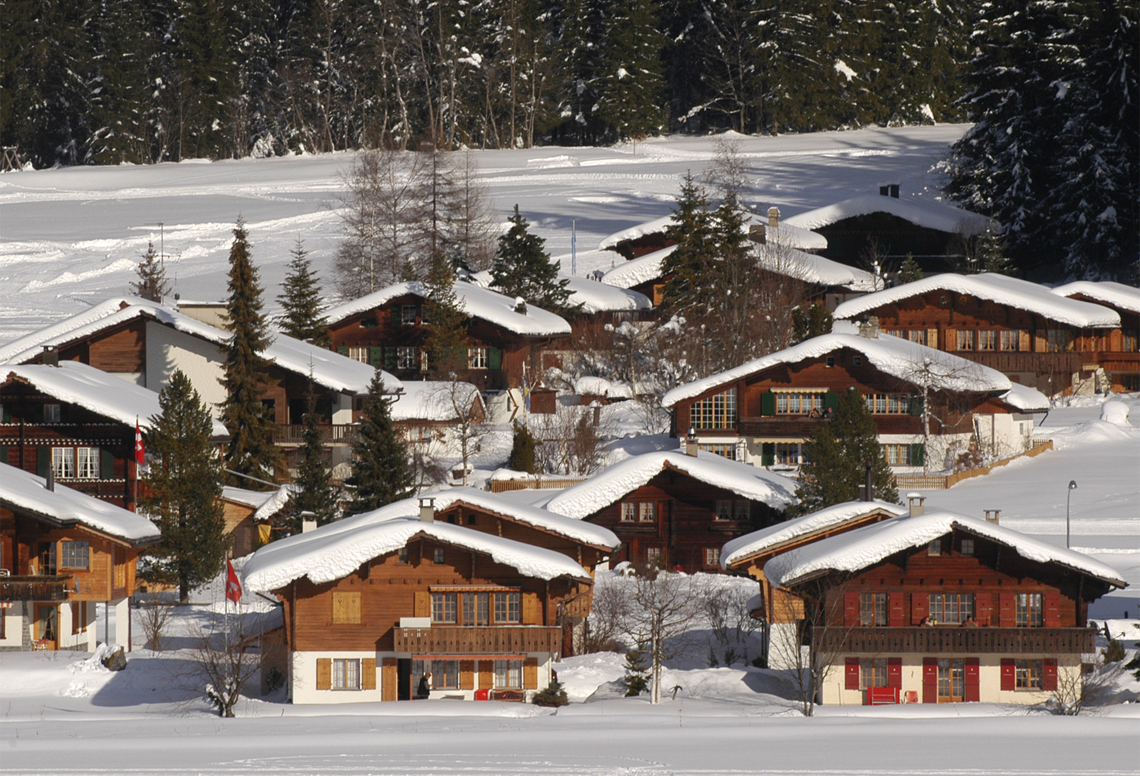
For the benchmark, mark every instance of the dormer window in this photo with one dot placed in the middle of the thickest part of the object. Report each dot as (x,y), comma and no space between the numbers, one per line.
(52,413)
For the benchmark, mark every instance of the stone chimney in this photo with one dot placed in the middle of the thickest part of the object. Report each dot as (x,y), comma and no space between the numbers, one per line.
(308,522)
(427,510)
(917,504)
(520,305)
(691,445)
(993,516)
(869,327)
(773,217)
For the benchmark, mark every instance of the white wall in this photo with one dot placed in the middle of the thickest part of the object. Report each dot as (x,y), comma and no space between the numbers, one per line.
(14,618)
(168,349)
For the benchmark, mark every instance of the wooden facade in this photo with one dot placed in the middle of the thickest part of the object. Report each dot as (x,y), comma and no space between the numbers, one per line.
(851,240)
(1117,351)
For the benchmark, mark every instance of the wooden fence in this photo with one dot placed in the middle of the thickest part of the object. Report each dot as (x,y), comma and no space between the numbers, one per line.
(538,483)
(944,481)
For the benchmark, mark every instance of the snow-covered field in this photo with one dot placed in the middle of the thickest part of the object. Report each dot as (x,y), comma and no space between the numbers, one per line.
(71,237)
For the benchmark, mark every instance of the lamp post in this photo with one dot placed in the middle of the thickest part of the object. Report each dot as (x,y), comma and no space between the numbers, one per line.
(1068,498)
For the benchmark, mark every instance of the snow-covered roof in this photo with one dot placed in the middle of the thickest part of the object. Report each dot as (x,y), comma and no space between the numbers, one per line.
(265,503)
(21,490)
(815,269)
(905,360)
(325,555)
(73,382)
(802,528)
(637,271)
(931,215)
(785,234)
(328,369)
(614,482)
(589,385)
(477,302)
(434,400)
(1116,295)
(601,297)
(866,546)
(1026,399)
(1019,294)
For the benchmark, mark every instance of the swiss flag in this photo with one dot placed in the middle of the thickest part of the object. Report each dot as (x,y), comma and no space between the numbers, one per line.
(140,454)
(233,586)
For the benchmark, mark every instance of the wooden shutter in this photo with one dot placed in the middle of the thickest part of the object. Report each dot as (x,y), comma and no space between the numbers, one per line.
(831,400)
(973,682)
(1049,674)
(324,673)
(1025,342)
(894,672)
(1007,612)
(851,674)
(896,610)
(1052,613)
(768,453)
(389,679)
(466,674)
(43,460)
(531,610)
(767,403)
(917,453)
(423,604)
(486,674)
(984,608)
(346,608)
(932,338)
(850,610)
(530,673)
(106,465)
(368,673)
(494,358)
(1008,674)
(342,350)
(930,680)
(376,356)
(4,454)
(919,607)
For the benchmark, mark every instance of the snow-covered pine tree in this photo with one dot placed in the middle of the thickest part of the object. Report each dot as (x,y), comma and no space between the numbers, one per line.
(203,35)
(120,107)
(251,450)
(183,490)
(380,470)
(301,300)
(629,82)
(316,491)
(523,268)
(446,338)
(689,291)
(152,283)
(578,49)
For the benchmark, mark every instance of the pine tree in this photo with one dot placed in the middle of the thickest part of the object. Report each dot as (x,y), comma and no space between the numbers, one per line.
(301,301)
(689,291)
(183,490)
(630,83)
(316,492)
(447,333)
(251,450)
(554,695)
(909,270)
(523,269)
(380,471)
(838,452)
(805,325)
(522,450)
(636,679)
(152,283)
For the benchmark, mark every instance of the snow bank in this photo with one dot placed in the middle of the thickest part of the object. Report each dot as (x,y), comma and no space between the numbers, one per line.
(601,297)
(637,271)
(1116,295)
(1093,432)
(931,215)
(1115,412)
(434,400)
(1026,399)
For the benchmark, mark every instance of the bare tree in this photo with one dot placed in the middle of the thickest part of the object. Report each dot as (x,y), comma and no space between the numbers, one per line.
(663,609)
(569,441)
(609,611)
(226,655)
(471,215)
(729,618)
(460,403)
(154,619)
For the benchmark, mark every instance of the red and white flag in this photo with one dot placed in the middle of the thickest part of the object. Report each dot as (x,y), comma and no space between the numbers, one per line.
(140,454)
(233,585)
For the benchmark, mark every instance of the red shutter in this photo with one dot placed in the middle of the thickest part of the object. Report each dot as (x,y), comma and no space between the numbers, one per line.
(851,674)
(919,607)
(1008,674)
(850,610)
(1007,611)
(1049,674)
(930,680)
(895,610)
(1052,610)
(973,685)
(984,604)
(894,672)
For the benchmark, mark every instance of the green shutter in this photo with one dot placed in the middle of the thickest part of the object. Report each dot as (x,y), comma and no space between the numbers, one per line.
(768,403)
(768,452)
(3,453)
(43,460)
(390,358)
(831,400)
(5,414)
(106,465)
(494,358)
(917,454)
(376,356)
(342,350)
(915,406)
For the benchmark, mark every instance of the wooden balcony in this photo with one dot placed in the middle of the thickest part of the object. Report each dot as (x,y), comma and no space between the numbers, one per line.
(331,434)
(496,640)
(35,588)
(801,427)
(953,640)
(1038,363)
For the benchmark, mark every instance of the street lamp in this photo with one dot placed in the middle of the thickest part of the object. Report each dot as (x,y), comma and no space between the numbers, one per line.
(1068,498)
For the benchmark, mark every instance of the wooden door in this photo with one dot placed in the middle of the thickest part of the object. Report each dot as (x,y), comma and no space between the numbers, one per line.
(47,626)
(951,680)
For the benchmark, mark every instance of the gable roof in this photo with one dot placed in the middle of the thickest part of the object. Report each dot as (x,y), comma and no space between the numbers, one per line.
(73,382)
(482,303)
(864,547)
(637,271)
(614,482)
(1116,295)
(931,215)
(802,529)
(25,492)
(601,297)
(896,357)
(1003,290)
(265,503)
(786,233)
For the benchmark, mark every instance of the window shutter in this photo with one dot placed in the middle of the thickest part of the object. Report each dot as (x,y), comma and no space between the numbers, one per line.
(423,604)
(895,610)
(531,610)
(850,610)
(376,356)
(5,414)
(851,674)
(389,679)
(1049,674)
(973,683)
(919,607)
(43,460)
(530,673)
(917,454)
(494,358)
(983,604)
(831,400)
(486,674)
(1052,613)
(932,338)
(466,674)
(368,673)
(342,350)
(768,403)
(1008,674)
(1007,614)
(768,453)
(894,672)
(930,680)
(106,465)
(3,453)
(390,358)
(324,673)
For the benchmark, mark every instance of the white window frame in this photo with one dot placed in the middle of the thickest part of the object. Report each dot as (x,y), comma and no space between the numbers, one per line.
(63,463)
(477,358)
(508,675)
(87,463)
(407,357)
(361,354)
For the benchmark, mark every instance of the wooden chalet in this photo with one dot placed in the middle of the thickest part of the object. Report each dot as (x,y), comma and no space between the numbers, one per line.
(676,509)
(1117,351)
(373,602)
(940,607)
(248,516)
(428,409)
(61,552)
(763,411)
(1035,337)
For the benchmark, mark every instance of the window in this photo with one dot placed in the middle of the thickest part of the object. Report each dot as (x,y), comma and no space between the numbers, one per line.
(887,403)
(967,546)
(63,462)
(799,403)
(872,672)
(1027,674)
(75,555)
(897,455)
(652,555)
(790,453)
(1130,339)
(951,680)
(46,565)
(965,339)
(444,673)
(1029,610)
(829,361)
(951,608)
(1010,340)
(87,463)
(647,512)
(856,361)
(508,607)
(407,358)
(358,354)
(712,556)
(508,674)
(935,547)
(346,608)
(437,555)
(917,335)
(628,512)
(987,339)
(443,607)
(714,412)
(476,608)
(407,313)
(732,509)
(402,556)
(51,413)
(723,450)
(723,509)
(346,674)
(476,358)
(1058,340)
(873,609)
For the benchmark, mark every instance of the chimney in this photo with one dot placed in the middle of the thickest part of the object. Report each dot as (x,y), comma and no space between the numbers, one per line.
(917,504)
(49,481)
(691,445)
(894,191)
(520,305)
(308,522)
(869,327)
(773,216)
(890,190)
(993,516)
(51,356)
(427,510)
(868,484)
(756,233)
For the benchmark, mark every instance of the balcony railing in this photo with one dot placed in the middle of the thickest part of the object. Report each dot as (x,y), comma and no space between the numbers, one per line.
(941,640)
(504,640)
(792,426)
(331,434)
(35,588)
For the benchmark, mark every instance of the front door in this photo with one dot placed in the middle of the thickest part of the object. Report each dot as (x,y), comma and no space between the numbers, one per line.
(404,679)
(47,626)
(951,681)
